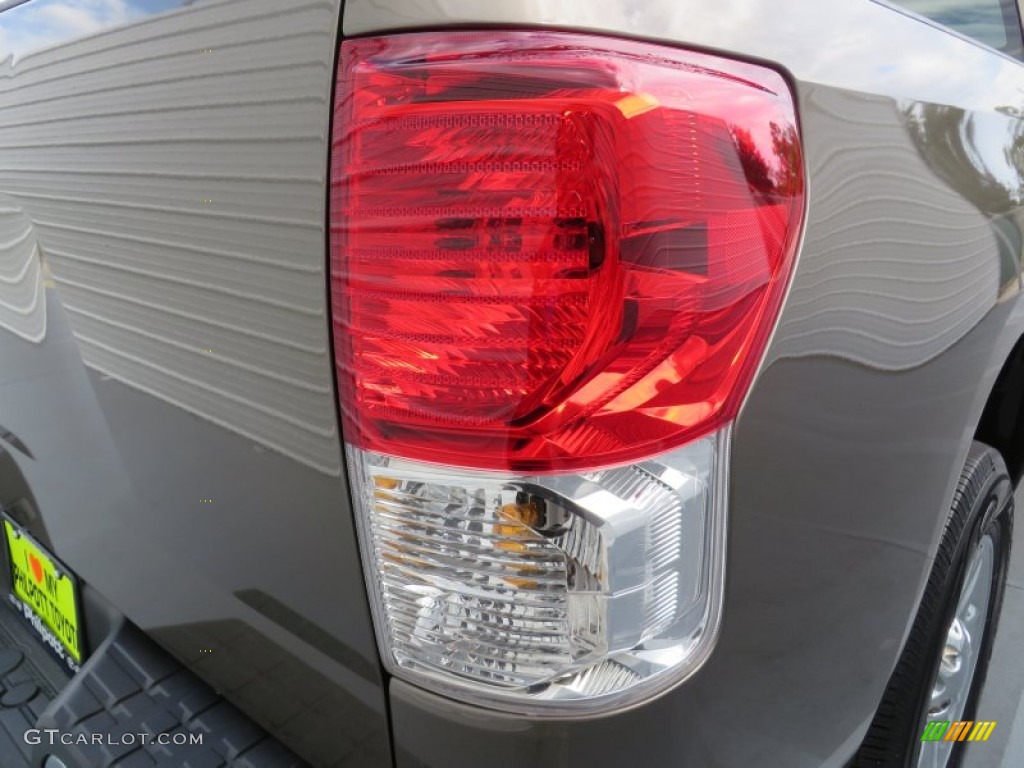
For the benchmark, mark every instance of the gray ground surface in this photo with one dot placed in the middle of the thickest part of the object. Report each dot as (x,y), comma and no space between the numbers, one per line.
(1003,699)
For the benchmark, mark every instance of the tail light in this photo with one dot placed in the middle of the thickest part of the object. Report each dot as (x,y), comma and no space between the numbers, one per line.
(555,263)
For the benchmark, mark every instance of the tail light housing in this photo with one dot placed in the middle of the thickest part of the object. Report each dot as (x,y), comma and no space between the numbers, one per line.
(555,262)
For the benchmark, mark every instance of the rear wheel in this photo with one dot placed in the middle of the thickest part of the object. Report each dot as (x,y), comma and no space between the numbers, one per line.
(942,670)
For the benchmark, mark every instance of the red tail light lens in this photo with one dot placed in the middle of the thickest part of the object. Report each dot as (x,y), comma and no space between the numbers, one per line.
(553,251)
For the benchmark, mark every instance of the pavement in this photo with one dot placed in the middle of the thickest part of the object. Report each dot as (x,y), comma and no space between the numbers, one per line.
(1003,697)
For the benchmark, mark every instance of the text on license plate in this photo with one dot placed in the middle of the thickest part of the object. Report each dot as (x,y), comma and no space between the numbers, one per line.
(48,590)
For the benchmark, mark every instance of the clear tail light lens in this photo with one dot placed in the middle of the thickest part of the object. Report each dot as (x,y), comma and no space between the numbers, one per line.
(555,263)
(546,590)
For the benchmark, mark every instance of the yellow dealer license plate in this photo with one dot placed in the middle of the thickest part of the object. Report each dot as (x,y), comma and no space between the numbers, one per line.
(45,593)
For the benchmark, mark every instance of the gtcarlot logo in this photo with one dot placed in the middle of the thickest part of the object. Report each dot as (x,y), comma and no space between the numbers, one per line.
(943,730)
(54,736)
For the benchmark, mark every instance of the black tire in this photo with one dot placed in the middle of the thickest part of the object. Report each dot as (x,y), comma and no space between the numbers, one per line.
(982,505)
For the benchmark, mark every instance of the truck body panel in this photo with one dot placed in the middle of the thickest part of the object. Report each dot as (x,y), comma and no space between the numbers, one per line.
(165,360)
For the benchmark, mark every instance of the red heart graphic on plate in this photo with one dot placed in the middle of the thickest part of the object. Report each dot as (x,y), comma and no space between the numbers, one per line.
(37,567)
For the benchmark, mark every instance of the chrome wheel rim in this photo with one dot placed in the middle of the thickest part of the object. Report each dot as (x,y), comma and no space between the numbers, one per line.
(964,636)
